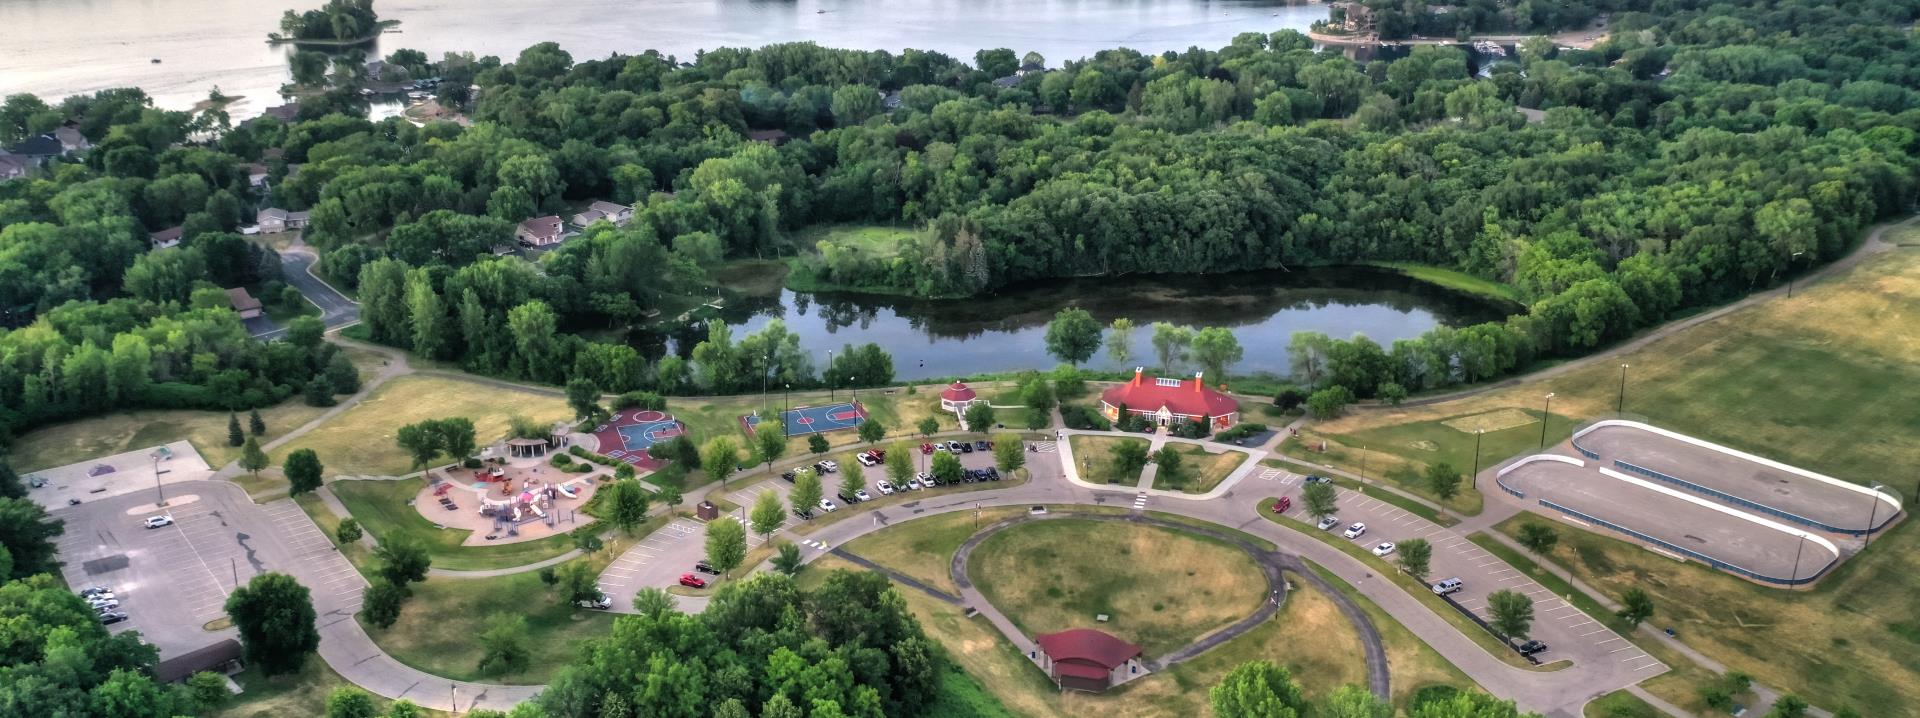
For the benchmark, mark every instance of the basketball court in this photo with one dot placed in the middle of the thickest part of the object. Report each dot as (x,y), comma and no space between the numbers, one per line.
(815,419)
(630,435)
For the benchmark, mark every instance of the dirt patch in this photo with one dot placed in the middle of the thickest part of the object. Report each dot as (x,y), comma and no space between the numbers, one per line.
(1489,421)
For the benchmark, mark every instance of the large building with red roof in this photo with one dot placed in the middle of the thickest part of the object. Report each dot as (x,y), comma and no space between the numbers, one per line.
(1165,401)
(1084,659)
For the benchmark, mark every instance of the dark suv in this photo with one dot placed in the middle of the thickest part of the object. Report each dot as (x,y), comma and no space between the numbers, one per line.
(1527,647)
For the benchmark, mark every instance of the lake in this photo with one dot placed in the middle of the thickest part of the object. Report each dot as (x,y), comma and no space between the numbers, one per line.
(1006,331)
(55,48)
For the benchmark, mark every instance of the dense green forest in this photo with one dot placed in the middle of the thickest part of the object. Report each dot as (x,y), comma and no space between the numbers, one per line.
(1701,152)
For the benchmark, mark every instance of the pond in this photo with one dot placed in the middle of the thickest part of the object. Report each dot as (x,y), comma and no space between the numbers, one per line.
(1006,331)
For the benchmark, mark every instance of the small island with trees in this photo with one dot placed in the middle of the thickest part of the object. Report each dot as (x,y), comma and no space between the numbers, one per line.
(338,23)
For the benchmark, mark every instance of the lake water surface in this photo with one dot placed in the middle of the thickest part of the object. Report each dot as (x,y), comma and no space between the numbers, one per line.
(56,48)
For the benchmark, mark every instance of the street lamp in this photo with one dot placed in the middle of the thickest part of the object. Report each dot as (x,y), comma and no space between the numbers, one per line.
(159,499)
(1796,556)
(1620,405)
(1796,255)
(829,375)
(1872,514)
(1477,433)
(1363,462)
(1546,413)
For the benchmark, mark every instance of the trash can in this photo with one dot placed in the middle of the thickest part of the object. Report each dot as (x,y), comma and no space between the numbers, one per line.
(707,511)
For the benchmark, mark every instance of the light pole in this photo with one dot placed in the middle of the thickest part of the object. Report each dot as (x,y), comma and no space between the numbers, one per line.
(1363,462)
(1872,515)
(159,499)
(765,376)
(1477,433)
(1546,413)
(830,375)
(1620,405)
(1796,556)
(1796,255)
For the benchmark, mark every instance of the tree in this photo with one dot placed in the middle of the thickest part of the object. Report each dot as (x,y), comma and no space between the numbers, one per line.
(1509,613)
(1120,341)
(317,392)
(303,470)
(1257,689)
(900,463)
(251,457)
(653,601)
(1443,480)
(1320,499)
(787,559)
(872,430)
(1129,458)
(26,536)
(945,468)
(1353,701)
(1788,706)
(1329,402)
(342,377)
(1538,537)
(818,444)
(255,424)
(767,514)
(1215,349)
(276,620)
(769,446)
(1009,453)
(403,559)
(929,426)
(587,540)
(503,644)
(1636,606)
(980,417)
(235,436)
(1415,557)
(720,456)
(583,396)
(1170,344)
(626,505)
(348,531)
(807,491)
(853,479)
(1073,336)
(1173,467)
(1392,392)
(382,602)
(577,582)
(351,702)
(726,545)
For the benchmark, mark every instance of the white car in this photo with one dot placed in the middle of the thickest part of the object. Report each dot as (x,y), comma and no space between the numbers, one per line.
(98,596)
(1385,547)
(866,460)
(826,505)
(154,522)
(829,466)
(602,603)
(1355,531)
(886,489)
(862,495)
(1327,524)
(913,485)
(105,605)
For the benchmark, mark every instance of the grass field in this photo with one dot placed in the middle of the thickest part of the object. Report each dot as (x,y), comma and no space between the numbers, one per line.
(1095,454)
(381,507)
(1204,470)
(1621,704)
(1400,454)
(1454,280)
(75,441)
(302,693)
(923,548)
(1162,589)
(360,440)
(1411,663)
(1398,501)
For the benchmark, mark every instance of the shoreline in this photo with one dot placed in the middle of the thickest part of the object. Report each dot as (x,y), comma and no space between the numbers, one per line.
(379,29)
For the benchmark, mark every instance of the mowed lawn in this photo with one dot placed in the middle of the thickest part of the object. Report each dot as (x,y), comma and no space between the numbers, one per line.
(1202,470)
(381,508)
(1824,381)
(77,441)
(1095,454)
(439,629)
(360,440)
(1161,589)
(923,548)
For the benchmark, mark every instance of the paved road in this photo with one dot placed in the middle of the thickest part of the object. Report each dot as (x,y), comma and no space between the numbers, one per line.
(296,266)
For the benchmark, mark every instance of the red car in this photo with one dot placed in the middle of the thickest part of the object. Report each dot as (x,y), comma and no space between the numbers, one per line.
(1280,506)
(692,581)
(926,448)
(879,454)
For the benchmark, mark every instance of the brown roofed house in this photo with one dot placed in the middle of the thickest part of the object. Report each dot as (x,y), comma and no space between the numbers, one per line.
(539,231)
(244,303)
(167,238)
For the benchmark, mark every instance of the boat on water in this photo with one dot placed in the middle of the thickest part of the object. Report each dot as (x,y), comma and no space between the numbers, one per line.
(156,61)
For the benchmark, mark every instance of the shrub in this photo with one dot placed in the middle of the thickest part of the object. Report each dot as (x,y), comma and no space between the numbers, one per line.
(640,400)
(1080,417)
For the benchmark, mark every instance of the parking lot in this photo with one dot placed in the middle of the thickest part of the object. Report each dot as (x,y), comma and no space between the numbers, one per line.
(657,560)
(1680,519)
(1792,491)
(1568,633)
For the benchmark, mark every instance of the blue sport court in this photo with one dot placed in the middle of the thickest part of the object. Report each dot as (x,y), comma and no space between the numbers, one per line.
(816,419)
(628,437)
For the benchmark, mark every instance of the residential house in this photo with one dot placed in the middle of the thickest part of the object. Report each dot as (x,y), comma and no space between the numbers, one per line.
(1165,401)
(244,303)
(274,220)
(297,220)
(777,137)
(256,175)
(375,69)
(618,214)
(71,140)
(167,238)
(1353,16)
(284,113)
(38,149)
(14,166)
(540,231)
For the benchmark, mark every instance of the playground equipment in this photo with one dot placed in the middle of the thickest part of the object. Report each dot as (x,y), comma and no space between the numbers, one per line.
(536,510)
(567,491)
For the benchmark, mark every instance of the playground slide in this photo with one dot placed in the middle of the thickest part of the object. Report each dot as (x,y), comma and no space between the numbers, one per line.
(537,511)
(567,491)
(516,513)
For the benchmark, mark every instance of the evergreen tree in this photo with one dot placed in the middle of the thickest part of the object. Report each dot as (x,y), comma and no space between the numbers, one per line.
(255,424)
(235,436)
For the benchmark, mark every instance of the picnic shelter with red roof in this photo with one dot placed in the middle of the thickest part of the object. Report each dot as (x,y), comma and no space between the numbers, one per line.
(1165,401)
(1085,659)
(958,397)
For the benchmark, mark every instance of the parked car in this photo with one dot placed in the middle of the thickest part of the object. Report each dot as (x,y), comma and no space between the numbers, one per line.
(966,448)
(879,454)
(983,445)
(104,604)
(926,448)
(1281,505)
(36,482)
(1448,585)
(1385,547)
(154,522)
(925,479)
(1355,531)
(789,476)
(1327,524)
(1525,646)
(599,602)
(91,591)
(862,495)
(112,617)
(705,567)
(803,514)
(99,596)
(911,485)
(827,467)
(865,460)
(1318,479)
(826,505)
(953,446)
(692,581)
(886,489)
(848,499)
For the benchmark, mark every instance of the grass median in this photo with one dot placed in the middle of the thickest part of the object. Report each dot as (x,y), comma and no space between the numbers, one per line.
(1203,469)
(1095,454)
(1396,499)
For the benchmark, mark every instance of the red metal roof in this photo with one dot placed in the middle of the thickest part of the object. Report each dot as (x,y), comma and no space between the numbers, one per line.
(958,392)
(1087,644)
(1077,670)
(1188,396)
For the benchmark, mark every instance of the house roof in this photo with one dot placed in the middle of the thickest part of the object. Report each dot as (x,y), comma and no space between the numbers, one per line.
(12,164)
(255,168)
(1081,670)
(548,226)
(590,216)
(1180,396)
(284,113)
(70,137)
(608,208)
(271,213)
(774,136)
(958,392)
(241,300)
(1087,644)
(195,661)
(38,146)
(300,216)
(170,234)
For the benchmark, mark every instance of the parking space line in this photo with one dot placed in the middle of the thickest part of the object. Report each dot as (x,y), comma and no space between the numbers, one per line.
(1633,658)
(1584,635)
(1610,640)
(1617,650)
